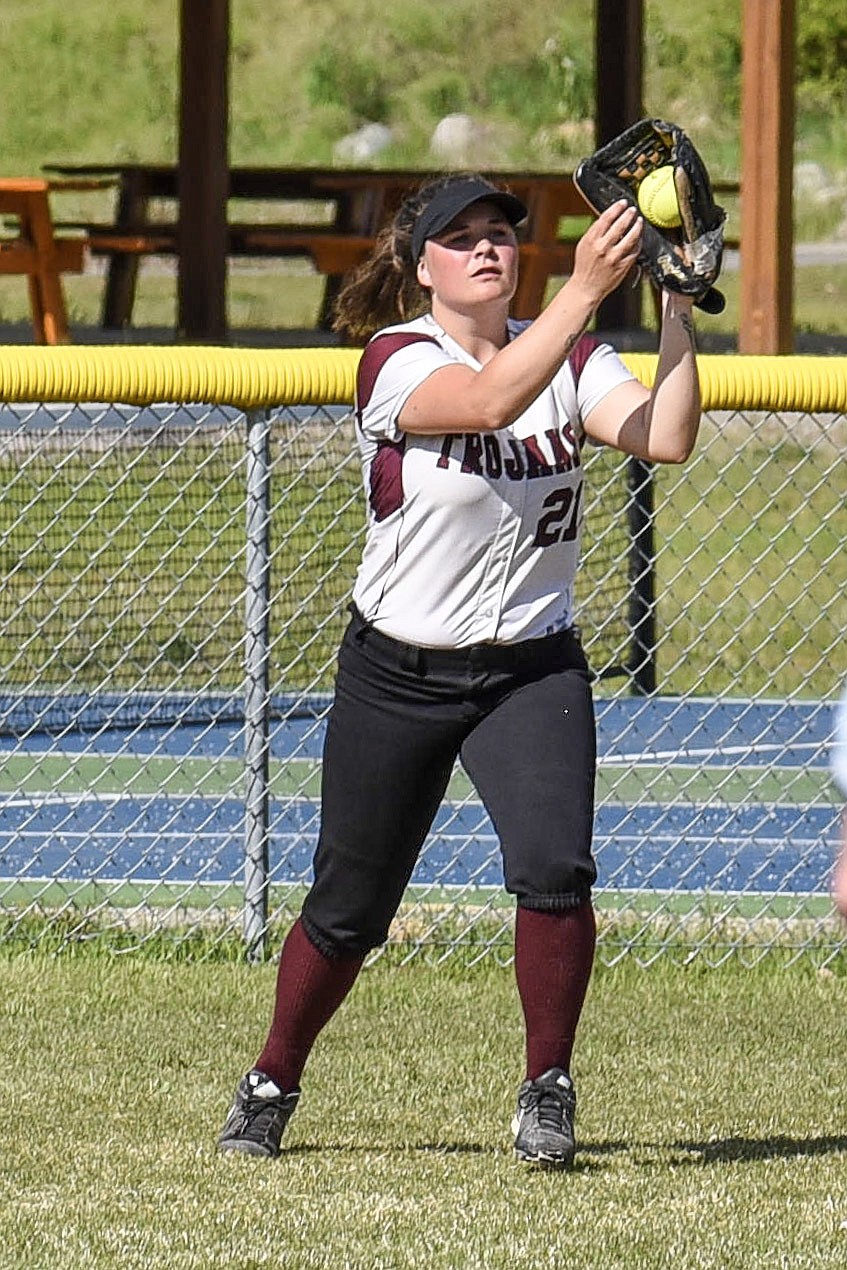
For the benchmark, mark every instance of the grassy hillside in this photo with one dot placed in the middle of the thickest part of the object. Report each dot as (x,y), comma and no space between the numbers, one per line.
(92,81)
(97,82)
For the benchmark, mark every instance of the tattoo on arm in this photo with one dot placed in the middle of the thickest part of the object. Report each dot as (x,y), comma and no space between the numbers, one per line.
(687,324)
(571,342)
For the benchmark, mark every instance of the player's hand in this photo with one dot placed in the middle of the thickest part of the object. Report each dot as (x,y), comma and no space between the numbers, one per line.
(608,250)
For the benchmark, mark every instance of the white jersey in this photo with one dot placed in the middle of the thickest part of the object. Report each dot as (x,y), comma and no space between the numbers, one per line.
(471,537)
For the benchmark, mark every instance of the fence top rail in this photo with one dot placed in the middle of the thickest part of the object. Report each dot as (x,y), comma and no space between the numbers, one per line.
(253,379)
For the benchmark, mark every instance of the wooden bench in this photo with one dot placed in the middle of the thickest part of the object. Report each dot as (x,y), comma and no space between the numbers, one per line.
(354,202)
(36,252)
(332,254)
(357,201)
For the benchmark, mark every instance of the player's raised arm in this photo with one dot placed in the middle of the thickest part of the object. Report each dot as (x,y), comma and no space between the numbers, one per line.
(660,425)
(511,373)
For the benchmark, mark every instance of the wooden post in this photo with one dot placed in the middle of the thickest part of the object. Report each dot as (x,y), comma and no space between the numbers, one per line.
(619,41)
(766,323)
(203,184)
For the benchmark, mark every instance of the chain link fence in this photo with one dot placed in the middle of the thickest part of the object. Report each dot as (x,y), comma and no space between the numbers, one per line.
(175,583)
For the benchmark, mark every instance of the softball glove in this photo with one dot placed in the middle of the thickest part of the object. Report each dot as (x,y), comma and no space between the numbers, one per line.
(686,260)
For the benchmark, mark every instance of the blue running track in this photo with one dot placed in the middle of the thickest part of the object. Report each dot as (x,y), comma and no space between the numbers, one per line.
(694,838)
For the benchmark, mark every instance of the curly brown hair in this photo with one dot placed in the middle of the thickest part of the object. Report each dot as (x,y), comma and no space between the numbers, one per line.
(385,288)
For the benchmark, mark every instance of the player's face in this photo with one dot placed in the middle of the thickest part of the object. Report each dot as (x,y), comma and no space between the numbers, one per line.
(474,260)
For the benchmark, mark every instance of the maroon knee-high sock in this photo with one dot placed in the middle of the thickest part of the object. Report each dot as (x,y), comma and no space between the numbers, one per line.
(309,989)
(554,953)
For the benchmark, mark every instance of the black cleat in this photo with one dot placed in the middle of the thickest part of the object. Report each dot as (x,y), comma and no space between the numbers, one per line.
(257,1117)
(543,1123)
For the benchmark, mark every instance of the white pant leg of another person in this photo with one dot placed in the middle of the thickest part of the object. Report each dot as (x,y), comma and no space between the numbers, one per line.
(839,775)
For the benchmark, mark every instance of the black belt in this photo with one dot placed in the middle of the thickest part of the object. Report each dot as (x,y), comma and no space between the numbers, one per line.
(483,656)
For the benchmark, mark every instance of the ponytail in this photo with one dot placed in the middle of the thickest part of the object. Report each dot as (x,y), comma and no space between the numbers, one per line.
(384,289)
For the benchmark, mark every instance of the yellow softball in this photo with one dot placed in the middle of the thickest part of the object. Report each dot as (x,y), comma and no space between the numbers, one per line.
(657,198)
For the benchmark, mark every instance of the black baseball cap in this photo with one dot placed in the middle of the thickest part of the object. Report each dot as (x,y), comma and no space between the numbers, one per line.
(453,198)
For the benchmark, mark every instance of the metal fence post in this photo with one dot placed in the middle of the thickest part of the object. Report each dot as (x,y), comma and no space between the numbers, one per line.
(642,577)
(257,685)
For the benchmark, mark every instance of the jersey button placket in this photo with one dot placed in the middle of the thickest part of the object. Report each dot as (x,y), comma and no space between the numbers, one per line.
(499,560)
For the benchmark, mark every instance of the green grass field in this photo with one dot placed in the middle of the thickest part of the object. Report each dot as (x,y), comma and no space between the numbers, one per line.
(711,1120)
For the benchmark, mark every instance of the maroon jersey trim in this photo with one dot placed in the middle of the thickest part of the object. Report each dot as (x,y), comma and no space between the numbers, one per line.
(374,358)
(386,474)
(583,349)
(386,480)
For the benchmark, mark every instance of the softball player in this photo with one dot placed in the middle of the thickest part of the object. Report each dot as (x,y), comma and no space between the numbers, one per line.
(462,642)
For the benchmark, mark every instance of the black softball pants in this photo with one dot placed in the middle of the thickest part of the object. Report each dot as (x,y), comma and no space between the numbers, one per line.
(521,719)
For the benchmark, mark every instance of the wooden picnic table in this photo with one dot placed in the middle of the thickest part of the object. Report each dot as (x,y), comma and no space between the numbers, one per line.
(31,248)
(344,210)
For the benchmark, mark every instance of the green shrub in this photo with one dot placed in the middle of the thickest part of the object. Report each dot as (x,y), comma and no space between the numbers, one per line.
(441,92)
(347,77)
(822,55)
(553,85)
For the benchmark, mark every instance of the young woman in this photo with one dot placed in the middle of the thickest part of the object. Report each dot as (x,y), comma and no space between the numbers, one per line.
(462,641)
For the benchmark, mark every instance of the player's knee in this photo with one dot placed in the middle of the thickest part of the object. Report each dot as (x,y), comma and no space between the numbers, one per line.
(338,934)
(559,885)
(558,902)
